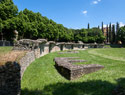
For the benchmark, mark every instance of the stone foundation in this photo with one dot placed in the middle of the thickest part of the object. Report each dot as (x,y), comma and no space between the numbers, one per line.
(71,71)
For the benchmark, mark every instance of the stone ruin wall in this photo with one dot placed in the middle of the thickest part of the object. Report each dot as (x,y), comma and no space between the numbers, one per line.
(54,47)
(12,72)
(26,61)
(42,47)
(10,79)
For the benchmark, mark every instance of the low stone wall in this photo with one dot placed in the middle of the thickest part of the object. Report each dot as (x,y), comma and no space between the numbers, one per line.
(54,47)
(10,79)
(26,61)
(42,47)
(71,71)
(12,72)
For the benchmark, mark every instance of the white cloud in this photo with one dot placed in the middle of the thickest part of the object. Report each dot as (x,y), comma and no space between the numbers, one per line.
(121,24)
(96,2)
(104,25)
(85,12)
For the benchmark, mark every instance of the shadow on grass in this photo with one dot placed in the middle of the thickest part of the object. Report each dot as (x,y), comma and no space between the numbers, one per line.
(96,87)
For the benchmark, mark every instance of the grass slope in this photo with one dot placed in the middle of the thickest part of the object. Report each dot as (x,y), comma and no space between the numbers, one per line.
(41,78)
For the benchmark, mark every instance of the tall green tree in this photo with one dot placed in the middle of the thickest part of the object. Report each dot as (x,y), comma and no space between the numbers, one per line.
(110,33)
(89,35)
(33,26)
(102,28)
(98,27)
(121,34)
(117,29)
(1,27)
(107,33)
(88,26)
(113,34)
(7,9)
(98,35)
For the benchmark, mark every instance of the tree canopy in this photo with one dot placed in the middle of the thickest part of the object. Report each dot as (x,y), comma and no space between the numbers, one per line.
(32,25)
(121,34)
(7,9)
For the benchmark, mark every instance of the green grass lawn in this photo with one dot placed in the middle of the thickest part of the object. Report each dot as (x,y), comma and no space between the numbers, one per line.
(4,50)
(115,54)
(41,78)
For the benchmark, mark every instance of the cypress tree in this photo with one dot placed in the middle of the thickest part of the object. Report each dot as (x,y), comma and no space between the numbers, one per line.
(107,33)
(117,29)
(102,28)
(110,32)
(88,26)
(98,27)
(113,33)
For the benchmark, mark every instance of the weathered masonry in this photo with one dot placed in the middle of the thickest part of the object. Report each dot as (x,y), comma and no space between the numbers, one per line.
(41,47)
(11,72)
(71,71)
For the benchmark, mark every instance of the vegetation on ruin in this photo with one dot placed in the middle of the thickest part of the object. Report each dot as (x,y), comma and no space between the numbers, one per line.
(41,77)
(6,55)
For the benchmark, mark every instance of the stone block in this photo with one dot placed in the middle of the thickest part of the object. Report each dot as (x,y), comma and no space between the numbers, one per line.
(72,71)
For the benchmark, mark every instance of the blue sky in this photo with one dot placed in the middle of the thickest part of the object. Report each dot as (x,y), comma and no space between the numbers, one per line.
(77,13)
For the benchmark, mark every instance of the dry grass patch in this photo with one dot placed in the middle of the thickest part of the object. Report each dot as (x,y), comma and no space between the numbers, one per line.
(11,56)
